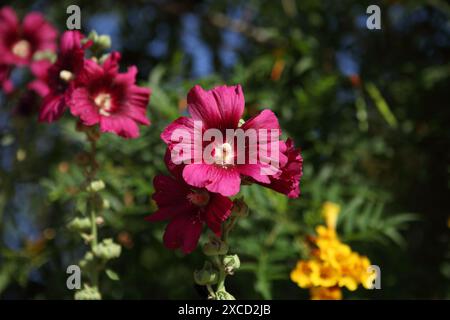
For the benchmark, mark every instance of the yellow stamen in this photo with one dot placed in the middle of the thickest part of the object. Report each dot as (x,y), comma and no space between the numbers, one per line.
(103,102)
(66,75)
(223,155)
(21,48)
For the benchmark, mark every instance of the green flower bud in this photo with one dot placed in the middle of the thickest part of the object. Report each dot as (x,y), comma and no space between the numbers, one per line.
(88,293)
(107,250)
(224,295)
(103,58)
(93,35)
(231,263)
(106,204)
(96,186)
(240,208)
(104,41)
(45,55)
(87,261)
(79,224)
(215,247)
(206,276)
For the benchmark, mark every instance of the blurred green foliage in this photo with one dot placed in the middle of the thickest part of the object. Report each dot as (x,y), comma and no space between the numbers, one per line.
(368,108)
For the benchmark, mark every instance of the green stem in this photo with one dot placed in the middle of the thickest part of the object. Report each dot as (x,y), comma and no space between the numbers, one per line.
(222,275)
(211,291)
(228,228)
(94,241)
(92,171)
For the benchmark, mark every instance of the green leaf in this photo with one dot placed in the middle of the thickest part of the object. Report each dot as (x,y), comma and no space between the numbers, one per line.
(112,275)
(381,104)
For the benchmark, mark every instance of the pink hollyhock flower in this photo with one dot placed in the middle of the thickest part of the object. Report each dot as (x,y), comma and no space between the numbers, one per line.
(5,83)
(55,82)
(221,108)
(187,209)
(287,181)
(111,99)
(19,41)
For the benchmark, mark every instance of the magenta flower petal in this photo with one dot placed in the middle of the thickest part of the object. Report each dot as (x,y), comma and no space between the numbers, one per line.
(8,17)
(5,83)
(215,179)
(81,105)
(35,26)
(187,209)
(203,107)
(122,126)
(70,61)
(266,119)
(19,42)
(217,211)
(111,99)
(183,232)
(184,125)
(254,171)
(288,179)
(221,107)
(52,108)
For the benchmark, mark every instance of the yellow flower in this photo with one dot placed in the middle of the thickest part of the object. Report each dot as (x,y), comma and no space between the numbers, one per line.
(335,253)
(326,234)
(348,282)
(303,271)
(330,212)
(326,277)
(333,293)
(333,264)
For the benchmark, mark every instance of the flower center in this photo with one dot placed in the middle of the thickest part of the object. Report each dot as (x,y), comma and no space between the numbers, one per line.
(66,75)
(21,49)
(199,198)
(104,103)
(223,154)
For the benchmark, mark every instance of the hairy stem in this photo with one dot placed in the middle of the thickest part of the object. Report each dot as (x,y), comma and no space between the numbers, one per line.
(90,176)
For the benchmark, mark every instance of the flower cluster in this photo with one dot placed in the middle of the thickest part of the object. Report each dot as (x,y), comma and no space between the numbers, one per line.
(198,192)
(20,41)
(71,77)
(187,208)
(333,264)
(94,91)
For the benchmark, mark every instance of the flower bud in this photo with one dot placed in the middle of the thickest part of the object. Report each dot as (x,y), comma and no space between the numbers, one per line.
(240,208)
(87,261)
(107,250)
(231,263)
(104,41)
(215,247)
(330,211)
(206,276)
(88,293)
(93,35)
(103,58)
(106,204)
(99,221)
(79,224)
(44,55)
(224,295)
(96,186)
